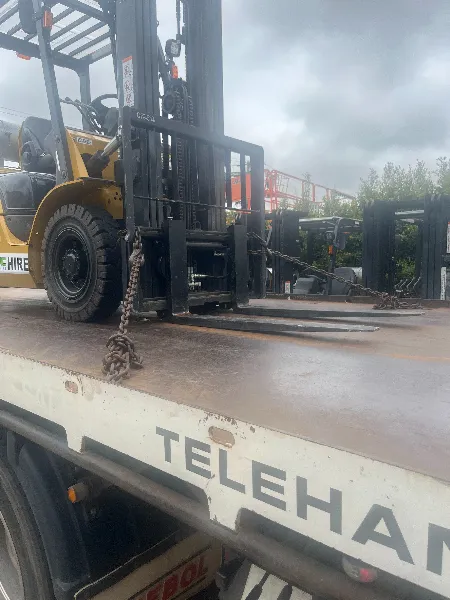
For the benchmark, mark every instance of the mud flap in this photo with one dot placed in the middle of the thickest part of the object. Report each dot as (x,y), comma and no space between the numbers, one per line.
(250,576)
(180,572)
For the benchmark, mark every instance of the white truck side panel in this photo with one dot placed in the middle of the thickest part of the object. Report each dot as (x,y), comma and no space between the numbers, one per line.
(391,518)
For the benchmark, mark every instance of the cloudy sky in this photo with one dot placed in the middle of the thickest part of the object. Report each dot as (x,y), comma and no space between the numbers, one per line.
(329,87)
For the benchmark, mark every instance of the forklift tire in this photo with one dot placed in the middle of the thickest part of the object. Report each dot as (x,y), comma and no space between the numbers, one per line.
(24,573)
(81,263)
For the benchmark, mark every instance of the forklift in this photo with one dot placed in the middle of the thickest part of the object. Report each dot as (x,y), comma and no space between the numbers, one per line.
(285,236)
(135,207)
(157,167)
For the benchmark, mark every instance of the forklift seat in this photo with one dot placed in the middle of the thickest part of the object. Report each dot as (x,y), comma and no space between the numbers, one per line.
(20,196)
(343,289)
(37,151)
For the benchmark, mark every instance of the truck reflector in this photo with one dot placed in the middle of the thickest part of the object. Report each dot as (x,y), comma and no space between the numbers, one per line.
(358,571)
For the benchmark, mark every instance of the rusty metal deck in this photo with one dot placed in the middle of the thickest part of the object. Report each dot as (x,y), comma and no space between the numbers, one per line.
(384,394)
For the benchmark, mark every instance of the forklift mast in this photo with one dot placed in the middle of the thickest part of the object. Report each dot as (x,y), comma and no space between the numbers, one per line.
(175,163)
(184,170)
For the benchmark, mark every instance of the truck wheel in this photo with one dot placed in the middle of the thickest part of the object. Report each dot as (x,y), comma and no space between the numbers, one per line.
(23,567)
(81,262)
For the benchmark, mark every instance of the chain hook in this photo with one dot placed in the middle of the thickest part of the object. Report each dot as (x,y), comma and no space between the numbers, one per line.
(121,355)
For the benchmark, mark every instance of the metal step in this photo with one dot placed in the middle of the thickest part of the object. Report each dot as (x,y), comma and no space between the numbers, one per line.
(323,313)
(262,325)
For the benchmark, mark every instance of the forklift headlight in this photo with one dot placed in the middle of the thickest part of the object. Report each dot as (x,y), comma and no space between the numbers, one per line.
(173,48)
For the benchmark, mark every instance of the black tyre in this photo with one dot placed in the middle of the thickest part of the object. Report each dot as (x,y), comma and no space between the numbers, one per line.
(24,572)
(81,263)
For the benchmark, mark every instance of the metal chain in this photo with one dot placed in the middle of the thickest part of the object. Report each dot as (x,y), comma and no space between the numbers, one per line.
(385,301)
(121,355)
(180,157)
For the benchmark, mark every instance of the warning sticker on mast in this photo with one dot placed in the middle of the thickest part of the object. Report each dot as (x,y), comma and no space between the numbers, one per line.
(127,81)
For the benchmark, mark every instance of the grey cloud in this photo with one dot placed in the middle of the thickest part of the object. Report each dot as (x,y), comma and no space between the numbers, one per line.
(366,58)
(409,119)
(328,86)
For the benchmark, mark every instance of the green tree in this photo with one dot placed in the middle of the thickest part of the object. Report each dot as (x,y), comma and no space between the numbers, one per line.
(396,182)
(442,174)
(303,203)
(334,206)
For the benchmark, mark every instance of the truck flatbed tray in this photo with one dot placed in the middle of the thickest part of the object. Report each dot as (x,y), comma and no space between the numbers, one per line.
(384,394)
(367,414)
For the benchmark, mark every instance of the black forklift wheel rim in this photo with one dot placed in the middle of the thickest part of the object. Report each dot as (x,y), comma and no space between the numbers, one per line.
(72,263)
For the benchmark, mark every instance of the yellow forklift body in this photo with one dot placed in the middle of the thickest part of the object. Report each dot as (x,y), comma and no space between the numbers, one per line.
(14,270)
(83,142)
(20,262)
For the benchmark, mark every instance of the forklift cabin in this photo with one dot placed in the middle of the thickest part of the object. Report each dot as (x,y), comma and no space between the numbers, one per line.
(160,166)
